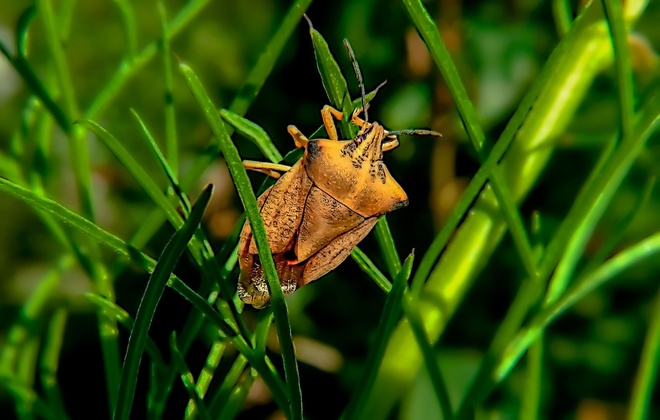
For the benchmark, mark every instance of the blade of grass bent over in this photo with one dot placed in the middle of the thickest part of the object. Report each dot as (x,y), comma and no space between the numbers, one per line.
(155,287)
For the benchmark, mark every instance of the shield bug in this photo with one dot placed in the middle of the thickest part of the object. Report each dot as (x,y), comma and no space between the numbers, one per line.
(324,205)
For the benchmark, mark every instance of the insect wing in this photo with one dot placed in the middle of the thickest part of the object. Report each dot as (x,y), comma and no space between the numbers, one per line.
(333,254)
(282,211)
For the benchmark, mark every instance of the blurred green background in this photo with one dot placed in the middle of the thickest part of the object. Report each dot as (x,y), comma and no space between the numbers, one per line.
(592,353)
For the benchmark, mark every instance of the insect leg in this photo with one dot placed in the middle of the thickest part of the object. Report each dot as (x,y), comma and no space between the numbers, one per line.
(392,142)
(357,120)
(326,114)
(270,169)
(298,138)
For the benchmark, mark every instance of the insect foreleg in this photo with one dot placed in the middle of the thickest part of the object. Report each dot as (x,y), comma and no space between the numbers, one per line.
(270,169)
(326,114)
(357,120)
(298,138)
(392,142)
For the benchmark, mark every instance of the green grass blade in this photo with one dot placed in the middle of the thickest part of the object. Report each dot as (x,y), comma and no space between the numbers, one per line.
(208,371)
(171,139)
(561,10)
(126,321)
(61,66)
(37,88)
(387,246)
(114,243)
(431,35)
(50,360)
(389,318)
(543,114)
(32,309)
(620,229)
(371,270)
(128,68)
(155,287)
(442,238)
(570,240)
(138,171)
(249,201)
(22,26)
(334,82)
(268,57)
(74,220)
(590,206)
(606,272)
(254,133)
(169,171)
(430,358)
(531,394)
(26,366)
(201,249)
(130,27)
(429,32)
(188,381)
(238,396)
(25,397)
(229,382)
(64,18)
(79,150)
(239,105)
(647,371)
(622,62)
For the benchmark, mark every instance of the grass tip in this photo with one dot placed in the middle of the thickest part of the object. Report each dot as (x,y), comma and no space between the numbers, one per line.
(309,22)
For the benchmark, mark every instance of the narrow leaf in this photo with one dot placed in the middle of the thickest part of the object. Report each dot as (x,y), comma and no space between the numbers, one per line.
(155,287)
(388,320)
(254,133)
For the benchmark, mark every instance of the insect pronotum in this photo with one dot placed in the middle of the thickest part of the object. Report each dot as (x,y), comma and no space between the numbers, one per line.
(324,205)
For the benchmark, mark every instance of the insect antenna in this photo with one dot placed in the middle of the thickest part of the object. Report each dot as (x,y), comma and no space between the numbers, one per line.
(414,132)
(358,75)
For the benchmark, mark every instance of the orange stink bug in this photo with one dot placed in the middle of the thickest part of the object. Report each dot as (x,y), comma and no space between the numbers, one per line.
(324,205)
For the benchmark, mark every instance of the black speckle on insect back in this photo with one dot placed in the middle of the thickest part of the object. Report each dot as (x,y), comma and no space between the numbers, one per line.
(381,173)
(349,148)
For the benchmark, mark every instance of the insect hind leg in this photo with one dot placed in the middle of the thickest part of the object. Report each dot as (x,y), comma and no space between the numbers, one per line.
(271,169)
